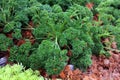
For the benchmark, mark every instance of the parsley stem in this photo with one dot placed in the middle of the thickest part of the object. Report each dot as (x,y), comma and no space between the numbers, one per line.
(27,28)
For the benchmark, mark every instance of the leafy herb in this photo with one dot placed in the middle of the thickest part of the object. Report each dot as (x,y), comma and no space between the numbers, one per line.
(55,27)
(17,71)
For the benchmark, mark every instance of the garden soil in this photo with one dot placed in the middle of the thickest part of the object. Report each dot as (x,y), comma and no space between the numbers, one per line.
(102,68)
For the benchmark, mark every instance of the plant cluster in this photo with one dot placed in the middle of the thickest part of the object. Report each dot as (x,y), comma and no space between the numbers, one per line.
(39,34)
(109,14)
(67,3)
(18,72)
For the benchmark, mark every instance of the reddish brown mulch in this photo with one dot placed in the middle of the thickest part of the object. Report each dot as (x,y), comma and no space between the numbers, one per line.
(101,69)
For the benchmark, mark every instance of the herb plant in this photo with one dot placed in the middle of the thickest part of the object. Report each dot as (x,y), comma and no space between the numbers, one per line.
(39,33)
(17,71)
(109,12)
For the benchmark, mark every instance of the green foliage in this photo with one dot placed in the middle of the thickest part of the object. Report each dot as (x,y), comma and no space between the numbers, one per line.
(50,56)
(109,14)
(9,26)
(97,39)
(17,72)
(109,11)
(83,62)
(20,53)
(15,15)
(17,34)
(57,9)
(5,42)
(10,8)
(67,28)
(71,33)
(80,12)
(65,4)
(57,26)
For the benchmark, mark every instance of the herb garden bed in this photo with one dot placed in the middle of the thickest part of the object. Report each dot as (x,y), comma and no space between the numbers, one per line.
(49,35)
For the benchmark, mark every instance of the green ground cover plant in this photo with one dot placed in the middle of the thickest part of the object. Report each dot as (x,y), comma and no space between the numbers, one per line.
(39,34)
(18,72)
